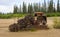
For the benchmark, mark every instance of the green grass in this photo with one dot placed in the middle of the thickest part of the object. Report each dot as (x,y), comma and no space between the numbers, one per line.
(7,16)
(52,14)
(56,23)
(18,15)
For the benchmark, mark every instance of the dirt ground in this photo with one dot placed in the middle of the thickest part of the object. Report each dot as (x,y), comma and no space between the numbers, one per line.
(4,32)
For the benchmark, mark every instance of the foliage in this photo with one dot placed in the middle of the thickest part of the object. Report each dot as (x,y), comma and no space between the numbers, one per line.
(33,29)
(58,6)
(15,9)
(50,6)
(37,7)
(53,14)
(30,9)
(24,8)
(6,16)
(20,9)
(44,7)
(56,23)
(18,15)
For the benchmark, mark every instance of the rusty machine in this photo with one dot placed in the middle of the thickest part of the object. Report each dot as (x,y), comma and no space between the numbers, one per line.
(41,20)
(38,21)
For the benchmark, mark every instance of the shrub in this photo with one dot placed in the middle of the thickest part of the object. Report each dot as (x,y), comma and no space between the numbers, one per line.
(32,29)
(5,16)
(56,23)
(52,14)
(48,15)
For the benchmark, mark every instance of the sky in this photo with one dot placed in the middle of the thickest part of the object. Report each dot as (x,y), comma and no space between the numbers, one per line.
(6,6)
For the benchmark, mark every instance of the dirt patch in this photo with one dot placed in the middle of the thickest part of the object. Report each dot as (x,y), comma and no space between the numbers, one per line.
(4,32)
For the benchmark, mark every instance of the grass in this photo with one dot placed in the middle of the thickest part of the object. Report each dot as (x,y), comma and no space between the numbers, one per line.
(33,29)
(7,16)
(18,15)
(52,14)
(56,23)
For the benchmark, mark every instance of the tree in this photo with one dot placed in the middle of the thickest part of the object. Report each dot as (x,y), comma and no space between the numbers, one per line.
(39,7)
(0,12)
(44,6)
(58,8)
(30,8)
(54,10)
(15,9)
(19,10)
(36,8)
(50,6)
(24,8)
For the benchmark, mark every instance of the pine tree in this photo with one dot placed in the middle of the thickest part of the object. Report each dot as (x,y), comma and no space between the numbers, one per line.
(58,8)
(20,10)
(50,6)
(30,8)
(44,6)
(36,8)
(54,10)
(24,8)
(15,9)
(39,7)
